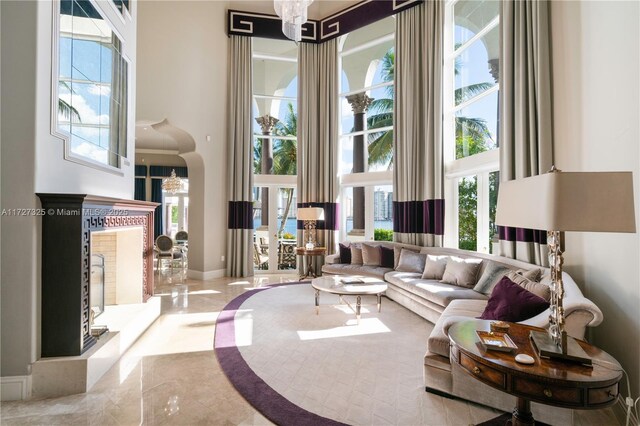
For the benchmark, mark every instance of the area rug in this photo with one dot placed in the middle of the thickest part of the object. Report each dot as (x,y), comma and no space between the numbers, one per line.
(299,368)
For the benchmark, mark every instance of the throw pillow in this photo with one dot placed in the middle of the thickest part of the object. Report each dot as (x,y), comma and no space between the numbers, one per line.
(510,302)
(410,261)
(461,272)
(356,255)
(345,253)
(539,289)
(434,267)
(371,255)
(531,274)
(387,257)
(491,276)
(397,250)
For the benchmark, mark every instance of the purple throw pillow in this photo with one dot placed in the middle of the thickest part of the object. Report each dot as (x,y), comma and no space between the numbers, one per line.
(386,257)
(345,253)
(510,302)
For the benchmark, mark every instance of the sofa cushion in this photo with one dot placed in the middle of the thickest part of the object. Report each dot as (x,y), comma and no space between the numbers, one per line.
(458,310)
(397,251)
(349,269)
(387,259)
(370,255)
(345,253)
(510,302)
(356,255)
(411,261)
(531,274)
(434,291)
(461,272)
(434,267)
(492,274)
(539,289)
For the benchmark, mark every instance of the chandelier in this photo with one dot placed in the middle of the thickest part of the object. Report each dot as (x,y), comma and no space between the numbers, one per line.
(293,14)
(173,183)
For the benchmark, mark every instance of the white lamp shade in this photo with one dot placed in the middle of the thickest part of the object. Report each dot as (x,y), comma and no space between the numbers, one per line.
(569,201)
(310,213)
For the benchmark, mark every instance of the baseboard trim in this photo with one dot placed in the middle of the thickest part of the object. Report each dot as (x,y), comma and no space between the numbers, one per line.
(15,388)
(207,275)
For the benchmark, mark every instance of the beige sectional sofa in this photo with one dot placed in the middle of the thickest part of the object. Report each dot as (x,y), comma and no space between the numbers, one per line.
(445,304)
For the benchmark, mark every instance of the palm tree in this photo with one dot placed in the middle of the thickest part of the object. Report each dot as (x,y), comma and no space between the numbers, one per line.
(66,109)
(380,144)
(284,155)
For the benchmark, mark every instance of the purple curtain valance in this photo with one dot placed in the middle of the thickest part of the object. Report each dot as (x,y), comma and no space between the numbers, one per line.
(240,215)
(419,217)
(525,235)
(330,221)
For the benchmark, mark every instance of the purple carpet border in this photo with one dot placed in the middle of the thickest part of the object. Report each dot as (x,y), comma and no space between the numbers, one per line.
(256,391)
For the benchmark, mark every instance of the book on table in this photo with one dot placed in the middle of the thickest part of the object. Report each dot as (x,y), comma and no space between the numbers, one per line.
(352,280)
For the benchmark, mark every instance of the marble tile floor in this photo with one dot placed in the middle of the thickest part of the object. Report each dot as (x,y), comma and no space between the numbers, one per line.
(171,375)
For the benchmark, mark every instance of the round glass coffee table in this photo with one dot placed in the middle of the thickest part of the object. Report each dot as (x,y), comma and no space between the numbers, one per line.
(349,285)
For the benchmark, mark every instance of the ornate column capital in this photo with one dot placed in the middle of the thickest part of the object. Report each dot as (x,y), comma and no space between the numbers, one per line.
(359,102)
(267,122)
(494,68)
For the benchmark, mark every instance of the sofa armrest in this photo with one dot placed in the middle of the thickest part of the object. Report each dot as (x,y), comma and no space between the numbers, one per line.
(579,313)
(332,259)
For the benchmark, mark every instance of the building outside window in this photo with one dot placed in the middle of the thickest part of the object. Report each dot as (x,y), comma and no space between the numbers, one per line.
(366,131)
(471,123)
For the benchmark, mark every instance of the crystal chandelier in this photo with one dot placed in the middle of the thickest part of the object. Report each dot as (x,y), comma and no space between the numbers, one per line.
(173,183)
(293,14)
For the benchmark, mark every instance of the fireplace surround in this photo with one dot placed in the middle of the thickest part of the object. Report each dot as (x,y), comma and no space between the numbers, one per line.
(67,224)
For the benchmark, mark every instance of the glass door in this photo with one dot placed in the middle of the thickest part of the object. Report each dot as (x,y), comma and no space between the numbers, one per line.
(275,228)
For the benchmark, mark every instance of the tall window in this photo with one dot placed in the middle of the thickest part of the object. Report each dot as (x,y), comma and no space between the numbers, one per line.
(275,118)
(471,122)
(92,86)
(367,62)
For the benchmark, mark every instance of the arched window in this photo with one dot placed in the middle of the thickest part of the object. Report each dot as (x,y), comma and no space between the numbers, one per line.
(275,113)
(471,123)
(366,131)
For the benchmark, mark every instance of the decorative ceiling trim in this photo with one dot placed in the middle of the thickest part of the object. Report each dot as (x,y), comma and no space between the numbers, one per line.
(313,31)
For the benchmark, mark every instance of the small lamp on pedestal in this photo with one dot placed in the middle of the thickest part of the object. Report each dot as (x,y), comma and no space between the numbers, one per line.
(566,201)
(310,215)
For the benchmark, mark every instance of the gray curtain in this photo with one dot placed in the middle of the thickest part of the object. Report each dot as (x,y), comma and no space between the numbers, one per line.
(318,137)
(526,128)
(240,159)
(418,206)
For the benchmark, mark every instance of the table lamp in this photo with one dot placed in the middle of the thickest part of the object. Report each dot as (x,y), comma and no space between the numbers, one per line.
(566,201)
(310,215)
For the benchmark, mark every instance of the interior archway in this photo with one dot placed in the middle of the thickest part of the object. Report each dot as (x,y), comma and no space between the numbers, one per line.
(163,144)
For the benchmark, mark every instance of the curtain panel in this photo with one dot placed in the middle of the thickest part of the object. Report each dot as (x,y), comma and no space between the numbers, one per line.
(156,197)
(240,159)
(317,154)
(165,171)
(418,206)
(526,127)
(140,189)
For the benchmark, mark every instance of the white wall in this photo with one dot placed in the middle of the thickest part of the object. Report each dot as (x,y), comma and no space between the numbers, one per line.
(595,70)
(32,161)
(182,77)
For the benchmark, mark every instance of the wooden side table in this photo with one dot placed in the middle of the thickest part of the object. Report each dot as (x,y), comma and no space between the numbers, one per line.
(546,381)
(307,256)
